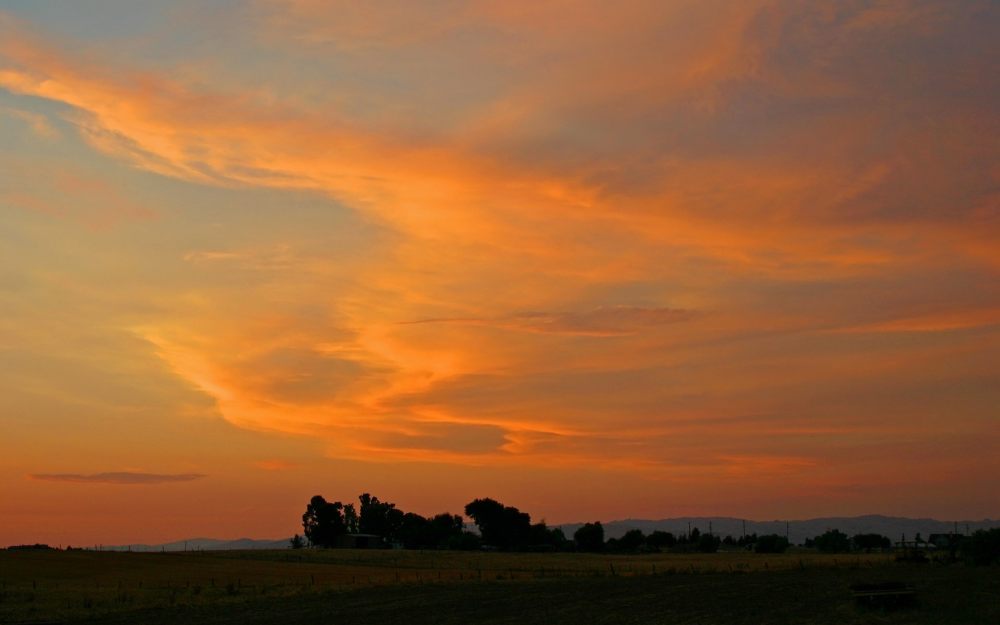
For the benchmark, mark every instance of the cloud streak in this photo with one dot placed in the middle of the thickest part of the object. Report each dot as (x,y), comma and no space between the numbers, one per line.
(673,238)
(117,477)
(604,321)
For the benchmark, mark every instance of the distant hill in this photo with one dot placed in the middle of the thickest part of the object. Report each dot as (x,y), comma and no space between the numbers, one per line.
(205,544)
(798,531)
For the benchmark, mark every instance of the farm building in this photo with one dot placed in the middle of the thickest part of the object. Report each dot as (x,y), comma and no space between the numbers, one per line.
(360,541)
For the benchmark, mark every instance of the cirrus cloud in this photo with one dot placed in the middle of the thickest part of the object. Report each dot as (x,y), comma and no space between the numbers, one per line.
(117,477)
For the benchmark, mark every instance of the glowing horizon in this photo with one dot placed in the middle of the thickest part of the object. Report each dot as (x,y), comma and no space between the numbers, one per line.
(675,258)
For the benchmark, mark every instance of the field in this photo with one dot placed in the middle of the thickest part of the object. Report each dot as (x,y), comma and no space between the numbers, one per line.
(412,587)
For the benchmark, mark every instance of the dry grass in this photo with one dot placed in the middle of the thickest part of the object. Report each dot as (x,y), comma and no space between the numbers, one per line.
(45,586)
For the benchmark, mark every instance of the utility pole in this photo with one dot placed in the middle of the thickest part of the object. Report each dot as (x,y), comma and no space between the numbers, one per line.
(744,529)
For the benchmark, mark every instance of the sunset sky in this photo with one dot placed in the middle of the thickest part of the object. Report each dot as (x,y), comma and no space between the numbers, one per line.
(593,259)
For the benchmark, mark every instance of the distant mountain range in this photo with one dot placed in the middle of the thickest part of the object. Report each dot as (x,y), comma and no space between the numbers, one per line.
(205,544)
(798,531)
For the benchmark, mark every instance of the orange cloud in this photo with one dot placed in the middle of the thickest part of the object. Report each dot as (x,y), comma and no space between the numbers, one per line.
(660,216)
(40,124)
(276,465)
(120,477)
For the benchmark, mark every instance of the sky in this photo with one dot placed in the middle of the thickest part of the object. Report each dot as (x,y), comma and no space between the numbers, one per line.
(596,260)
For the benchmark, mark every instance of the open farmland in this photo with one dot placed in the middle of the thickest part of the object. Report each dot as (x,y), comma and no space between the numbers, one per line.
(432,587)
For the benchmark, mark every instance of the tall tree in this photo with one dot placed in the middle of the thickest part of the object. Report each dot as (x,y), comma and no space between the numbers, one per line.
(660,540)
(833,541)
(633,540)
(379,517)
(590,537)
(504,527)
(771,543)
(351,519)
(323,522)
(868,542)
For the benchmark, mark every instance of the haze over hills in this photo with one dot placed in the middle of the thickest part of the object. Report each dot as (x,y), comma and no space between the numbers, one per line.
(205,544)
(798,531)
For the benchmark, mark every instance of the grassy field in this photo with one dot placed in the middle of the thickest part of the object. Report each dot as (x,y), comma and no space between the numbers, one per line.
(288,587)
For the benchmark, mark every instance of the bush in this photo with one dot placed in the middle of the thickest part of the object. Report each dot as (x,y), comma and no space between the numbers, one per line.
(709,543)
(771,543)
(982,548)
(590,537)
(660,539)
(833,541)
(870,542)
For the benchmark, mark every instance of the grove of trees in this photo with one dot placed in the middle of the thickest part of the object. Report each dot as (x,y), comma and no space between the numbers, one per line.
(501,527)
(832,541)
(325,524)
(505,528)
(982,548)
(771,543)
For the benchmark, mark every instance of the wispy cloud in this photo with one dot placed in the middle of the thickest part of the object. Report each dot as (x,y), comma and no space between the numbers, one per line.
(766,161)
(602,321)
(276,464)
(39,123)
(117,477)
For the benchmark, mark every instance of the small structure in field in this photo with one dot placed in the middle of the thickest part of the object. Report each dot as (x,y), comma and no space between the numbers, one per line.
(360,541)
(888,595)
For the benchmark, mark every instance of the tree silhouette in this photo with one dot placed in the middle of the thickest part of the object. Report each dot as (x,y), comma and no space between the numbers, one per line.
(500,526)
(632,541)
(708,543)
(542,538)
(868,542)
(590,537)
(771,543)
(833,541)
(351,519)
(661,540)
(379,517)
(441,531)
(323,522)
(983,547)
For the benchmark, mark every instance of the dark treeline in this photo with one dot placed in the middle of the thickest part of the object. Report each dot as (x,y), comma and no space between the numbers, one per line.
(376,523)
(331,524)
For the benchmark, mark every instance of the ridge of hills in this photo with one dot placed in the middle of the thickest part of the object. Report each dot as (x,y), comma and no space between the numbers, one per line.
(797,530)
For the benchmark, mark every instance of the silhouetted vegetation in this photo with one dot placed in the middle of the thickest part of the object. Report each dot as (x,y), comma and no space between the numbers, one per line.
(708,543)
(589,537)
(508,529)
(660,540)
(323,522)
(632,542)
(502,527)
(380,518)
(832,541)
(381,523)
(982,548)
(771,543)
(872,542)
(442,531)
